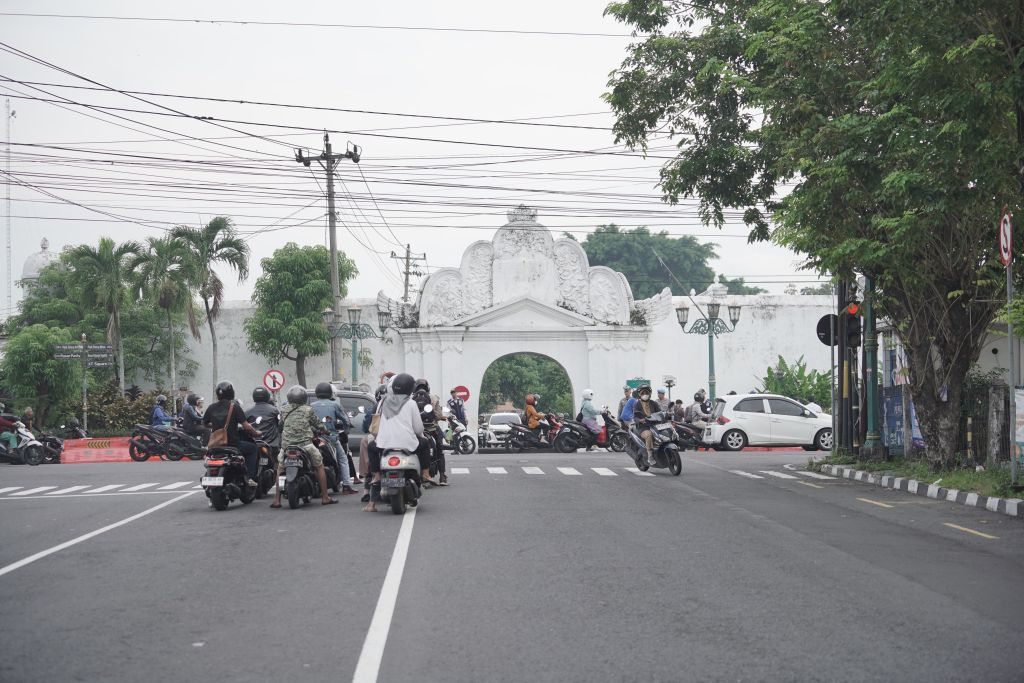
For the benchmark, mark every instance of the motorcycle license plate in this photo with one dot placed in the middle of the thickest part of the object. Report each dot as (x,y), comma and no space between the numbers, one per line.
(394,482)
(264,461)
(664,425)
(293,462)
(212,481)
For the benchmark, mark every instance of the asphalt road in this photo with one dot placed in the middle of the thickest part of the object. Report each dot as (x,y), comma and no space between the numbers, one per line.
(536,567)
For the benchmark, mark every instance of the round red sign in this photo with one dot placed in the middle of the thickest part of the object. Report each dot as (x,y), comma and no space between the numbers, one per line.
(462,392)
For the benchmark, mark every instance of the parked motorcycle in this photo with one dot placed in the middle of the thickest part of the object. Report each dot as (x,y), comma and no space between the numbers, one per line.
(666,451)
(574,435)
(690,437)
(180,444)
(73,431)
(53,447)
(148,441)
(226,478)
(400,479)
(28,451)
(520,438)
(457,438)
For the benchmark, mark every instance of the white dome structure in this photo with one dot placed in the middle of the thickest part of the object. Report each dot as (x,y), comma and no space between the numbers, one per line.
(39,260)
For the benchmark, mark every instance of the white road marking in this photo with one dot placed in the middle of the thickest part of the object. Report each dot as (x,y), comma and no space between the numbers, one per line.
(67,490)
(780,475)
(38,489)
(572,471)
(460,470)
(814,475)
(85,537)
(747,474)
(197,487)
(789,466)
(604,471)
(533,470)
(7,489)
(368,666)
(108,487)
(971,531)
(497,470)
(175,485)
(637,472)
(139,487)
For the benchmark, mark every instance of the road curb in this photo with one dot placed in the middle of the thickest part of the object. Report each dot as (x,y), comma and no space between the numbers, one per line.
(1014,507)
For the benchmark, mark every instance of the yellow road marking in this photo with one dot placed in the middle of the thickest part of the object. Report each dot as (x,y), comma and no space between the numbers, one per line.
(971,531)
(813,486)
(875,502)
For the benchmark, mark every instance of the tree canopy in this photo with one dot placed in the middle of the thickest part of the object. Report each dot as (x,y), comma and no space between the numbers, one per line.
(512,377)
(290,297)
(874,136)
(31,373)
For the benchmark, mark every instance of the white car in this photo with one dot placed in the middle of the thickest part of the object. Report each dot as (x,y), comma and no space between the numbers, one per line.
(498,428)
(740,420)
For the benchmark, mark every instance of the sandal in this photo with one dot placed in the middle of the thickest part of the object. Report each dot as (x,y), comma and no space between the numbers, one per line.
(276,506)
(329,501)
(370,508)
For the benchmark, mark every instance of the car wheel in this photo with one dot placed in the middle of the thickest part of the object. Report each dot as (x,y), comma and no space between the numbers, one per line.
(734,440)
(823,439)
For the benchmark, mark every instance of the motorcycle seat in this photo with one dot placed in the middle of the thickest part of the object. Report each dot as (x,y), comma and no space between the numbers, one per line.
(224,450)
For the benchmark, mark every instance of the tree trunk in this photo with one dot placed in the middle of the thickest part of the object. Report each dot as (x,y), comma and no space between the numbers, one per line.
(939,419)
(300,368)
(213,338)
(120,350)
(173,372)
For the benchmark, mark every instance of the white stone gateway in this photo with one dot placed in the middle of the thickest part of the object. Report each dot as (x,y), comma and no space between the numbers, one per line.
(525,292)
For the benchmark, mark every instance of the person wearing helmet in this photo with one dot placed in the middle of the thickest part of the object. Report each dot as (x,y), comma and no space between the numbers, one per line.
(400,427)
(533,416)
(216,417)
(298,426)
(590,413)
(695,414)
(159,416)
(333,418)
(431,425)
(662,399)
(643,409)
(270,424)
(191,420)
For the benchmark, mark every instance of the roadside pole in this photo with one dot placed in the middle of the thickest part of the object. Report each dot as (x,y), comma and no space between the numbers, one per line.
(832,370)
(872,440)
(1006,256)
(843,367)
(85,386)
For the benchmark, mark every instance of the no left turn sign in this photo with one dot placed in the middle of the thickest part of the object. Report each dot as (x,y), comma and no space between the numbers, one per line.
(274,380)
(1005,239)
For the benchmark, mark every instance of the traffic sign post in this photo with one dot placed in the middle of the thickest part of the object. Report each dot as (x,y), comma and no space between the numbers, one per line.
(1006,256)
(273,380)
(826,330)
(462,392)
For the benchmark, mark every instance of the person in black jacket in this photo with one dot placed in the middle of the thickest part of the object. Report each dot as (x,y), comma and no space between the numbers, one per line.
(192,421)
(216,417)
(270,425)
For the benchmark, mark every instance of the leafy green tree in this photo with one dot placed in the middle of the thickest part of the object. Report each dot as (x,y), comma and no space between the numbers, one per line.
(796,381)
(739,286)
(33,376)
(512,377)
(290,296)
(823,288)
(895,126)
(632,253)
(214,244)
(161,275)
(101,276)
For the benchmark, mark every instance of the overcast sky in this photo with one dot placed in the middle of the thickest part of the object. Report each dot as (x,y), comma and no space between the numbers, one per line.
(111,169)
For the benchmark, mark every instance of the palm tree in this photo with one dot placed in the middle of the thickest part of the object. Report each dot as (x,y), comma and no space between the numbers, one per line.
(161,276)
(103,278)
(215,243)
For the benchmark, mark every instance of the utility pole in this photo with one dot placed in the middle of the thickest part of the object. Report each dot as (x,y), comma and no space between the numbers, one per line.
(8,115)
(408,270)
(329,161)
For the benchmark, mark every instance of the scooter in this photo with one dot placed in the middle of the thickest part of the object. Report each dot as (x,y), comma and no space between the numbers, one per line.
(575,434)
(266,466)
(400,483)
(521,438)
(299,481)
(689,436)
(148,441)
(29,450)
(52,448)
(226,478)
(180,444)
(457,438)
(663,434)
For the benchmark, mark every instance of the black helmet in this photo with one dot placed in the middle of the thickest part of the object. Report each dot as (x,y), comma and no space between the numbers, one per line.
(381,390)
(403,384)
(261,395)
(642,388)
(74,423)
(225,391)
(324,390)
(161,399)
(192,399)
(297,395)
(698,397)
(421,384)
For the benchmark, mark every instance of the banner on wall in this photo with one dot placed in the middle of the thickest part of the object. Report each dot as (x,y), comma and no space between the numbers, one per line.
(1018,424)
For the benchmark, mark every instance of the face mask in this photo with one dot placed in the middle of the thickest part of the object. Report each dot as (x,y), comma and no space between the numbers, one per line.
(645,397)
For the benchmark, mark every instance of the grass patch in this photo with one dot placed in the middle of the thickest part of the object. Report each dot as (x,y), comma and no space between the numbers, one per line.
(991,482)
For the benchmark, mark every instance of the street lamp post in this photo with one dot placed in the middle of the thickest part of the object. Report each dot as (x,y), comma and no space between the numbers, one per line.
(712,326)
(352,330)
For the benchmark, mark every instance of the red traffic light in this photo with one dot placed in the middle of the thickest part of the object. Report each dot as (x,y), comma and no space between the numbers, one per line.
(853,308)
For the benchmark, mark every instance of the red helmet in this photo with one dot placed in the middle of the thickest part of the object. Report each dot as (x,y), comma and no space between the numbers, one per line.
(530,400)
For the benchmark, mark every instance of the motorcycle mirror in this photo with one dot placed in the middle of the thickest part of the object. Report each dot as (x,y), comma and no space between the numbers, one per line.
(361,410)
(63,427)
(428,408)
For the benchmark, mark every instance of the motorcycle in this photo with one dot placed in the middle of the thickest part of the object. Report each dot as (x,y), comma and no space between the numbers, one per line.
(299,480)
(663,434)
(226,478)
(28,451)
(689,436)
(52,448)
(180,444)
(457,438)
(575,434)
(148,441)
(266,467)
(73,432)
(400,479)
(521,438)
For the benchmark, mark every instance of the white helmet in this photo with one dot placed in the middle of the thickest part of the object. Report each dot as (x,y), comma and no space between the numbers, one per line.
(588,394)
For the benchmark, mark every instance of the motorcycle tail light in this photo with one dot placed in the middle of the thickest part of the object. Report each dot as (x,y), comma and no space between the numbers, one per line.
(214,463)
(393,461)
(722,420)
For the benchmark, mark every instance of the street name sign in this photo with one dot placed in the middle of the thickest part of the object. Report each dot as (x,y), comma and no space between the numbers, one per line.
(67,347)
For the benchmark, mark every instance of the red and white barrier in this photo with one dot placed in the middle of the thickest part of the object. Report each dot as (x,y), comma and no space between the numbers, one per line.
(112,449)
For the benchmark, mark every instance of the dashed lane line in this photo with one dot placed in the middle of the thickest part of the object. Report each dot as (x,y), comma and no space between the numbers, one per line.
(604,471)
(813,475)
(778,475)
(70,489)
(460,470)
(533,470)
(139,487)
(747,474)
(875,502)
(636,471)
(29,492)
(971,531)
(175,485)
(497,470)
(571,471)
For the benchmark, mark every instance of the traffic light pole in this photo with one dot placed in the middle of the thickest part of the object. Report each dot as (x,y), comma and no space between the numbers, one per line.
(844,373)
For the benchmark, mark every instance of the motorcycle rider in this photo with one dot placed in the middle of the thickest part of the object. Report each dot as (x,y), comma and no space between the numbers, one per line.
(400,427)
(159,417)
(533,417)
(9,434)
(696,414)
(216,417)
(326,407)
(643,409)
(431,427)
(298,431)
(458,408)
(589,411)
(270,425)
(191,420)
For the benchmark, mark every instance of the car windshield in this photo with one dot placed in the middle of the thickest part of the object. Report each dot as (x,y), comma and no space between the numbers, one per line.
(507,419)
